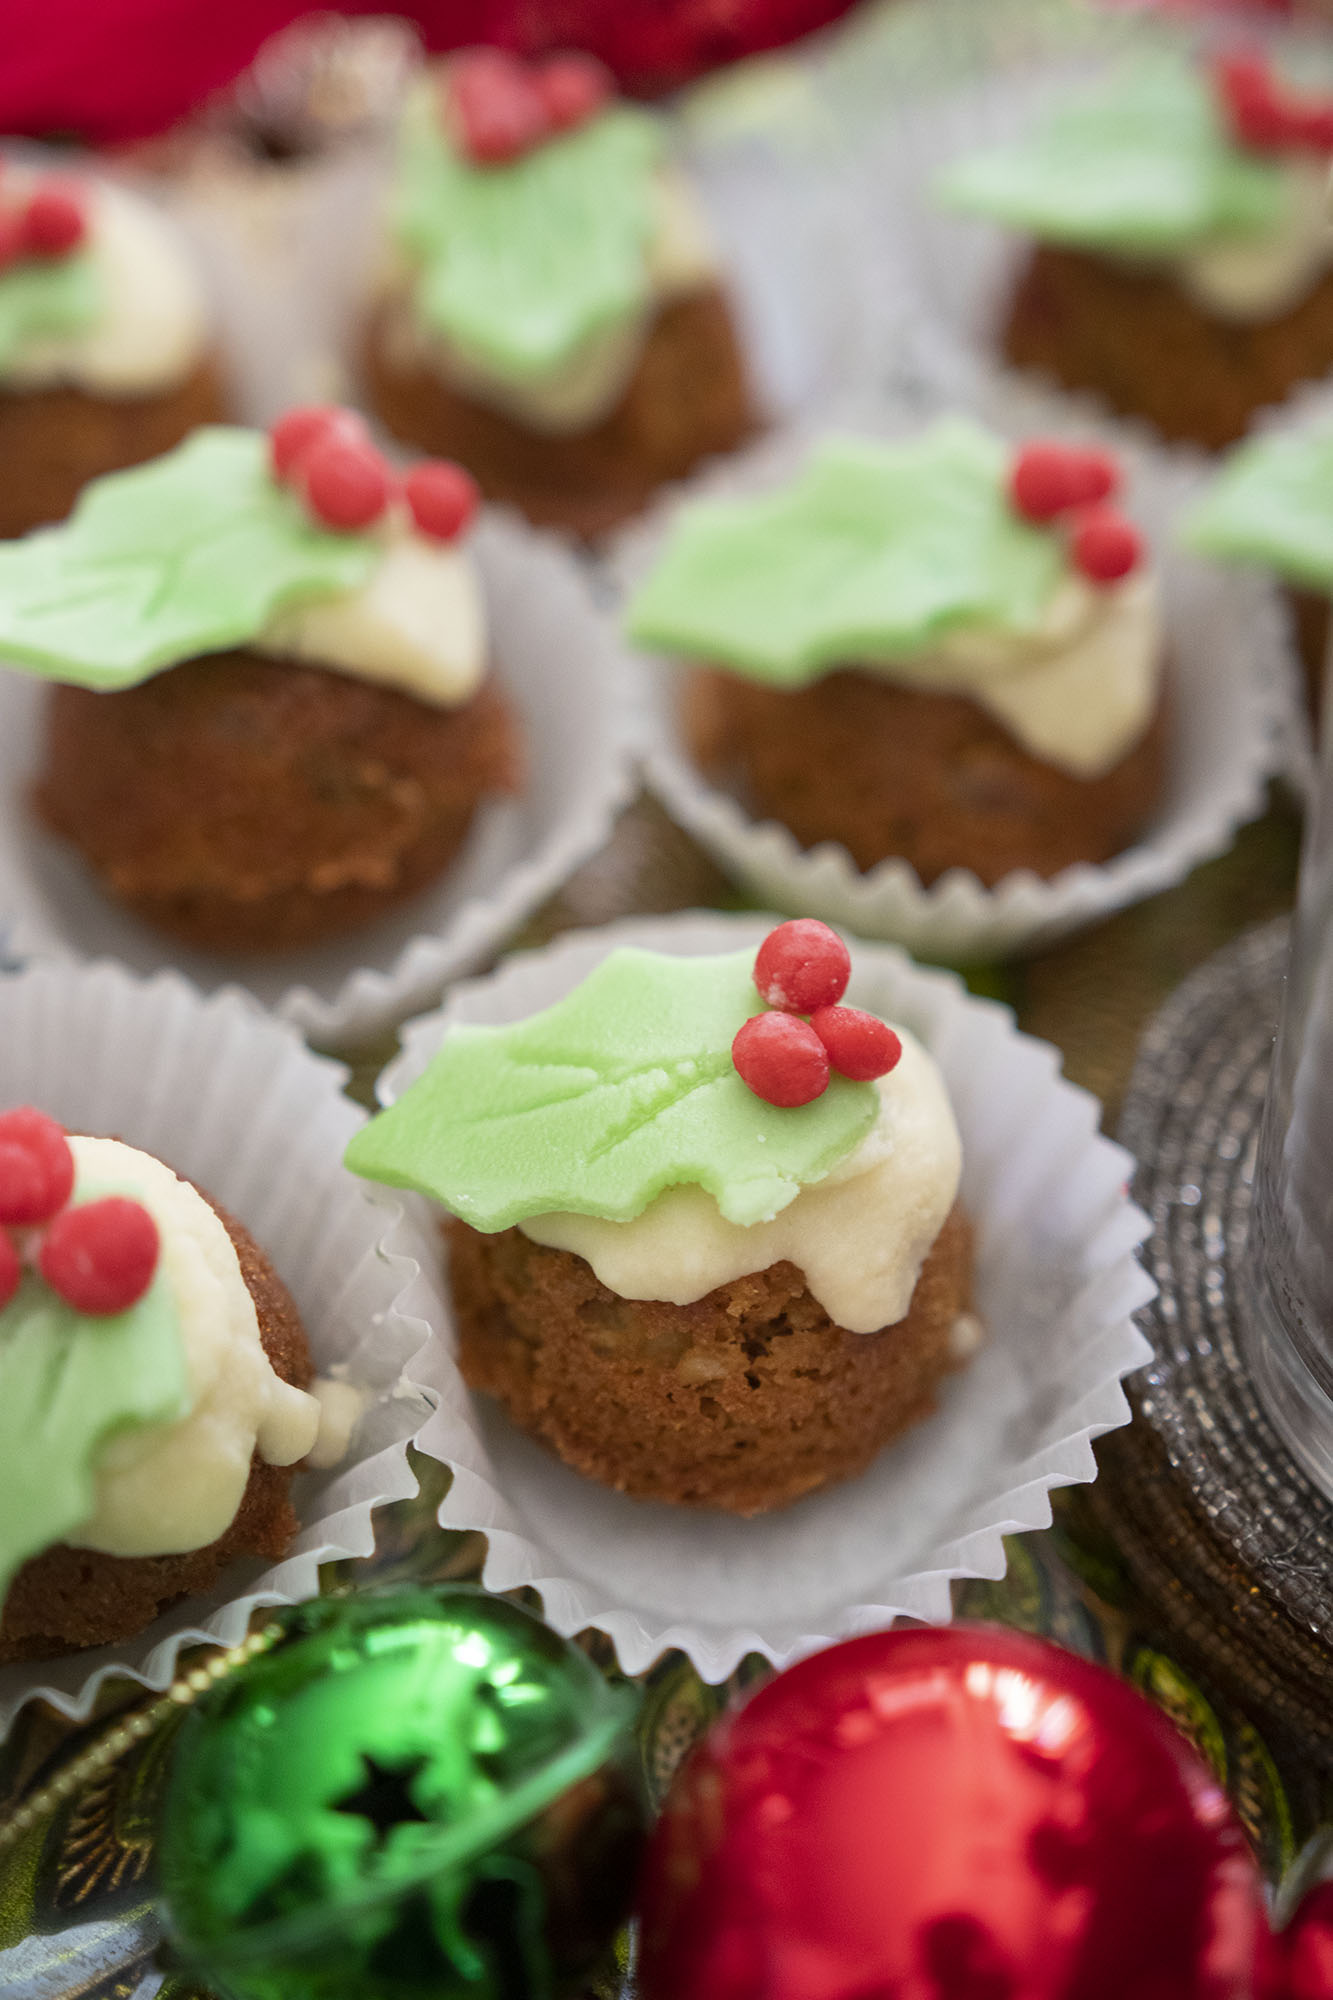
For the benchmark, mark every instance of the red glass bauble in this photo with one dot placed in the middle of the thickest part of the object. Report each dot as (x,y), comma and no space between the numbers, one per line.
(966,1814)
(1306,1948)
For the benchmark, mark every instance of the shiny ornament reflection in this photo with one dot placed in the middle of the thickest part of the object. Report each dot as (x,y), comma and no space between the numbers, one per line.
(949,1815)
(422,1794)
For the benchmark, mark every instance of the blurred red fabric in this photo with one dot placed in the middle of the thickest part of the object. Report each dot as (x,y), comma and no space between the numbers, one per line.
(112,70)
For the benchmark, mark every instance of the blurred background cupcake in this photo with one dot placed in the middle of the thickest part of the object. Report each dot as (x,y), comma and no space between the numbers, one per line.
(1181,266)
(106,350)
(553,314)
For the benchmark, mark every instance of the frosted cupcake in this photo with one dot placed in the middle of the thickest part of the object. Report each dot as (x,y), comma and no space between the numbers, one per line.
(553,316)
(273,717)
(706,1249)
(106,354)
(153,1391)
(1183,256)
(948,650)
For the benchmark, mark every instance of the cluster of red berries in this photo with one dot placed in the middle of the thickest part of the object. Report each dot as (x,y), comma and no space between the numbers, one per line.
(802,968)
(328,456)
(48,224)
(497,108)
(99,1257)
(1265,117)
(1049,481)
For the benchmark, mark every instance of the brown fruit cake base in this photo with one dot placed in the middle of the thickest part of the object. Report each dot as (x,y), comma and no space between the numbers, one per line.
(240,803)
(687,399)
(68,1597)
(745,1400)
(53,441)
(896,771)
(1310,620)
(1140,341)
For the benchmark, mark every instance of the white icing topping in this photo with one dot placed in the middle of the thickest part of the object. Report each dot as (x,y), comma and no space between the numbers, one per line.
(1260,277)
(1079,691)
(165,1488)
(153,328)
(418,624)
(860,1235)
(681,258)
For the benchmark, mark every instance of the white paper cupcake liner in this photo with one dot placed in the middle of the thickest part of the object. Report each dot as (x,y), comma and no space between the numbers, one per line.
(234,1101)
(1057,1283)
(1231,677)
(556,661)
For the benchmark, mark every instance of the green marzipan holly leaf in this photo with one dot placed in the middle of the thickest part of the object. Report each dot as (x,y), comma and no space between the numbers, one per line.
(190,554)
(871,554)
(519,265)
(1145,164)
(46,298)
(1273,504)
(68,1384)
(623,1088)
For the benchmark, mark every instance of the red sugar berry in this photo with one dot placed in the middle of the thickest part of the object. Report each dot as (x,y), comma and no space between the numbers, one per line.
(1255,115)
(781,1059)
(1312,127)
(345,481)
(1105,546)
(859,1045)
(442,497)
(11,1269)
(54,221)
(36,1166)
(802,965)
(11,237)
(1043,480)
(292,436)
(101,1257)
(1093,476)
(573,89)
(494,107)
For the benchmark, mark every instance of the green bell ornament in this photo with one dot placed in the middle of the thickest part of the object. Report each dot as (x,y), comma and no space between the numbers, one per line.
(410,1796)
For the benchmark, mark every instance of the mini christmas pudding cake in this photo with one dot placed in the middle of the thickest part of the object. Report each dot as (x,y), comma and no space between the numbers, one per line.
(1271,506)
(273,718)
(707,1249)
(105,347)
(1184,259)
(154,1399)
(948,650)
(552,315)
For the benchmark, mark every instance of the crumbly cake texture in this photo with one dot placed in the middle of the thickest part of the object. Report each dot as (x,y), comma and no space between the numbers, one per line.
(745,1400)
(54,440)
(931,778)
(687,399)
(239,802)
(1136,337)
(69,1597)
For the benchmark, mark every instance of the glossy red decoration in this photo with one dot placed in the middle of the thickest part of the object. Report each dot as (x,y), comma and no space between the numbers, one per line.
(36,1167)
(442,498)
(781,1059)
(101,1256)
(573,89)
(54,221)
(859,1045)
(292,436)
(1042,482)
(11,1268)
(345,481)
(1093,476)
(1305,1949)
(493,106)
(1105,546)
(1263,115)
(802,965)
(11,237)
(959,1814)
